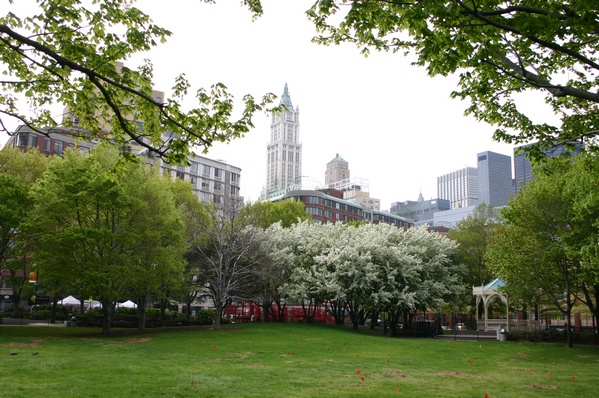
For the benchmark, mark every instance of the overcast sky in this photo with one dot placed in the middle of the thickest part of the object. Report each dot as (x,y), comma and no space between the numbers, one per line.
(395,126)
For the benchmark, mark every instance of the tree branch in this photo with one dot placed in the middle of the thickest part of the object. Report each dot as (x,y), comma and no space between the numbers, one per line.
(553,46)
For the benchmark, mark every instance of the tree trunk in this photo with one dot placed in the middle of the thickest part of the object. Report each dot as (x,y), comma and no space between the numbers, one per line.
(337,308)
(266,306)
(309,310)
(54,308)
(393,315)
(219,313)
(108,311)
(353,306)
(374,317)
(163,303)
(142,304)
(188,312)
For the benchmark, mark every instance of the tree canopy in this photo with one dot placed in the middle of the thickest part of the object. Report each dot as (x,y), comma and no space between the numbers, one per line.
(105,233)
(367,268)
(66,52)
(546,250)
(500,50)
(473,235)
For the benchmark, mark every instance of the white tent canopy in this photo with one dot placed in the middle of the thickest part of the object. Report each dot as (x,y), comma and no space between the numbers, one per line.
(69,301)
(127,304)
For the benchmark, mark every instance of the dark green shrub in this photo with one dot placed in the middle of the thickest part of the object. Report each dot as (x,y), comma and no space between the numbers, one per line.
(205,317)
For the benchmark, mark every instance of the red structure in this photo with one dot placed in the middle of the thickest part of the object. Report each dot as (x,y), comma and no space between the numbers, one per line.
(251,312)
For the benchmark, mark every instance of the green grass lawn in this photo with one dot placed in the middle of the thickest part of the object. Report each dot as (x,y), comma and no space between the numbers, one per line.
(284,360)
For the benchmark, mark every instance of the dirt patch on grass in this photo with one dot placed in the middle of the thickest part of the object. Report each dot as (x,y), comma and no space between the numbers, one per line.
(537,387)
(34,344)
(329,360)
(394,375)
(525,369)
(455,374)
(241,355)
(138,340)
(215,359)
(520,355)
(585,356)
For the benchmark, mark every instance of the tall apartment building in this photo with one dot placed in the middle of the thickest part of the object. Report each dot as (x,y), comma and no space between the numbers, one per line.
(523,172)
(211,180)
(337,170)
(284,152)
(459,187)
(494,178)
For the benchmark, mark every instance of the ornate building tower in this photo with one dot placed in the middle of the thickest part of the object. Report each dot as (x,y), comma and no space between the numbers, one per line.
(284,152)
(337,170)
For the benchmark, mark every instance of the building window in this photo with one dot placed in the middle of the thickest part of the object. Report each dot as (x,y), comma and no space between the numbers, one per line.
(216,186)
(216,199)
(206,170)
(218,173)
(193,167)
(204,197)
(27,139)
(58,147)
(315,211)
(180,175)
(205,184)
(47,144)
(235,177)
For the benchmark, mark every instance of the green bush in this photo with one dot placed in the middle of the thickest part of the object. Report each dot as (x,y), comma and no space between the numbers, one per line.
(153,314)
(126,311)
(205,317)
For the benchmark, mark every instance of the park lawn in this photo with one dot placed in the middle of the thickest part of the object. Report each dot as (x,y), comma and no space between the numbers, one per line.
(284,360)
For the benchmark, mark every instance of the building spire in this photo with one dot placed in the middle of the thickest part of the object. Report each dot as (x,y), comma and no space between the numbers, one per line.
(286,99)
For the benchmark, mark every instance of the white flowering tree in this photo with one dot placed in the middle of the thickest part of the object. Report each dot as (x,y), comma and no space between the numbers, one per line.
(299,248)
(367,269)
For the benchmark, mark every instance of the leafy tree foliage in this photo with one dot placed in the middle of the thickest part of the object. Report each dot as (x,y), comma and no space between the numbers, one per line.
(158,258)
(27,167)
(18,173)
(229,250)
(15,202)
(368,268)
(271,276)
(499,49)
(473,234)
(66,52)
(110,234)
(539,250)
(287,212)
(193,213)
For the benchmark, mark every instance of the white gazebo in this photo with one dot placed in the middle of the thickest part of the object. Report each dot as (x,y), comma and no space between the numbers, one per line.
(487,294)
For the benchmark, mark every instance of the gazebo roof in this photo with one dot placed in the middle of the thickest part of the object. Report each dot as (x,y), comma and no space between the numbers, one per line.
(494,284)
(489,288)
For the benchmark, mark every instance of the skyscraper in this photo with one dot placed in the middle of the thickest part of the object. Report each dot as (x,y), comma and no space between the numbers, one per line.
(494,178)
(459,187)
(284,152)
(523,172)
